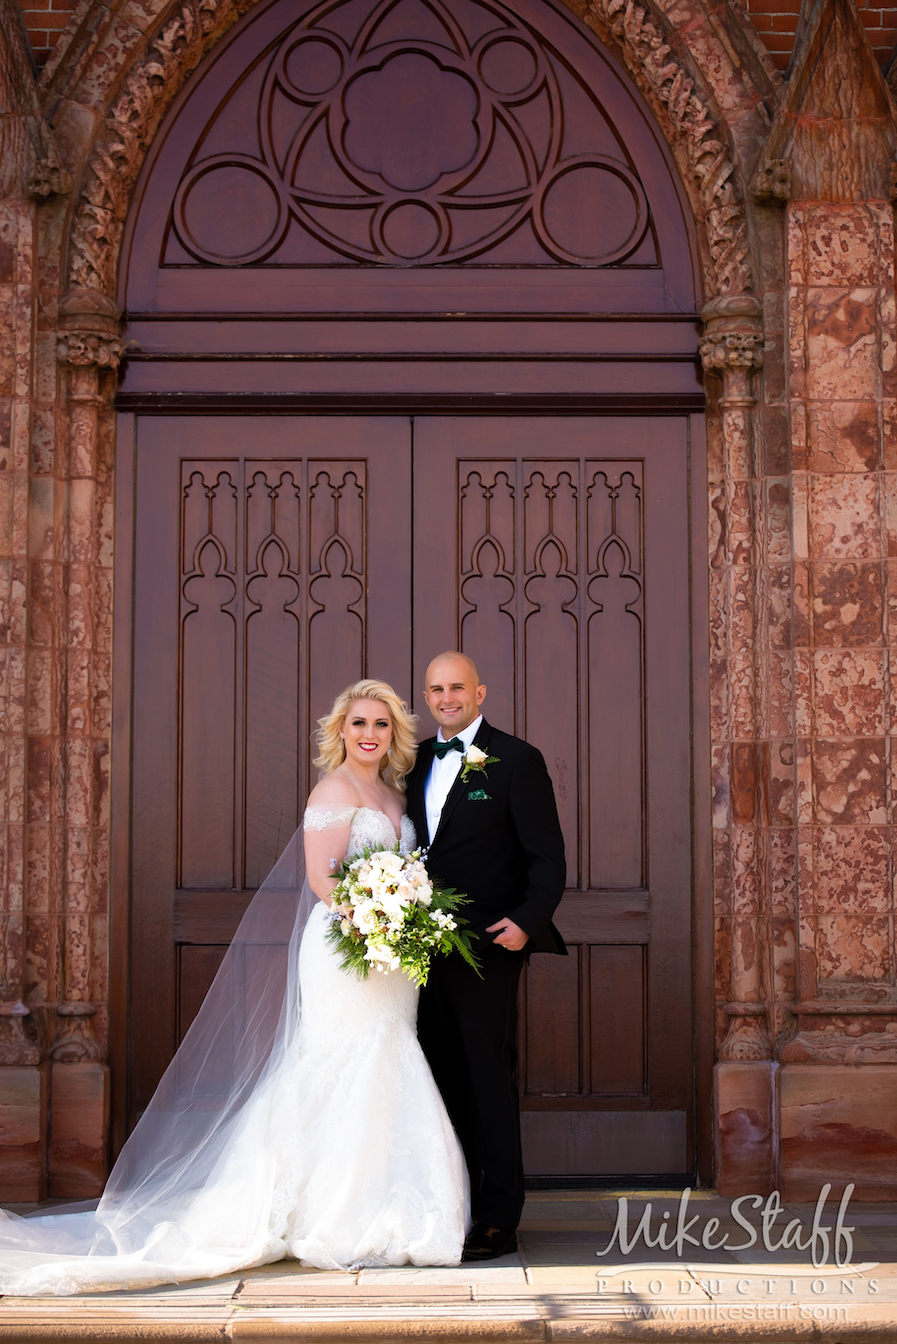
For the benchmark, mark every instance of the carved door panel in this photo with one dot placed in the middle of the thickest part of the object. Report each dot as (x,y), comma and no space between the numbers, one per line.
(558,558)
(272,565)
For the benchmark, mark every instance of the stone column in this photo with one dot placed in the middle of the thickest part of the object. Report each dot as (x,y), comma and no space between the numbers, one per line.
(842,386)
(89,349)
(29,172)
(732,349)
(835,135)
(23,1076)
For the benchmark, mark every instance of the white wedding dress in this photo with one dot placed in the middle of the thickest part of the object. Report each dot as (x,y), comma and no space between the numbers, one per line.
(342,1156)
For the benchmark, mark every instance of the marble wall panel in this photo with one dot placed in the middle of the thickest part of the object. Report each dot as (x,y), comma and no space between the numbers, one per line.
(779,452)
(741,616)
(803,692)
(800,519)
(846,603)
(744,1102)
(850,781)
(853,948)
(14,781)
(888,415)
(797,416)
(842,245)
(890,570)
(719,708)
(848,694)
(718,623)
(838,1127)
(783,909)
(844,517)
(778,609)
(797,341)
(803,774)
(844,436)
(780,789)
(778,522)
(841,342)
(12,950)
(887,321)
(23,1124)
(781,689)
(79,1125)
(743,781)
(852,869)
(720,776)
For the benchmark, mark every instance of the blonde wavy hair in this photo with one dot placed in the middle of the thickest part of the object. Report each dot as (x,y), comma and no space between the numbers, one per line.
(403,748)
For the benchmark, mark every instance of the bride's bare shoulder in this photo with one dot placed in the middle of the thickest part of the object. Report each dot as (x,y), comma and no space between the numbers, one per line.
(334,790)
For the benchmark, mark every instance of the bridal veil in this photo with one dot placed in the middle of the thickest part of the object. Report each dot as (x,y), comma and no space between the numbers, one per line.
(140,1231)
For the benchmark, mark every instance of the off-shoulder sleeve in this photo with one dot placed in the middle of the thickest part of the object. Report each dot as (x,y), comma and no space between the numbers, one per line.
(318,818)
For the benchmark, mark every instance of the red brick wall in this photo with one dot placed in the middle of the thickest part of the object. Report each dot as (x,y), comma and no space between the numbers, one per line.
(45,20)
(776,22)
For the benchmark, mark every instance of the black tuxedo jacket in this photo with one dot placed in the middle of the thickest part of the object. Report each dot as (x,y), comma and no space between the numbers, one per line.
(505,852)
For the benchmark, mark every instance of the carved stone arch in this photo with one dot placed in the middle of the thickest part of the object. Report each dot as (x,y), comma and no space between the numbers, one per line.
(108,91)
(142,74)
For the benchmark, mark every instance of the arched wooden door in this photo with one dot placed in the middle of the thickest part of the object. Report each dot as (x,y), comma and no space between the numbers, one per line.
(412,297)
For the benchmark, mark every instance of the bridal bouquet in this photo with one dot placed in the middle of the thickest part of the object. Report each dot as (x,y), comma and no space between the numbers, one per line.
(388,913)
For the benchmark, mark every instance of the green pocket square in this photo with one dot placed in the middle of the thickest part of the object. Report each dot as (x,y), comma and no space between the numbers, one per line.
(477,795)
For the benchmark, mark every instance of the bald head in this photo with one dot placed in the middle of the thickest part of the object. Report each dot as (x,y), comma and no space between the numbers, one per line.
(453,692)
(453,657)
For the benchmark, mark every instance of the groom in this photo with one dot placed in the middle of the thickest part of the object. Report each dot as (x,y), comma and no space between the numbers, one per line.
(494,835)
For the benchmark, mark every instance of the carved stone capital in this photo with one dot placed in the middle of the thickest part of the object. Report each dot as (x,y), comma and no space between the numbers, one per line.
(772,181)
(75,1042)
(733,334)
(15,1047)
(748,1038)
(89,331)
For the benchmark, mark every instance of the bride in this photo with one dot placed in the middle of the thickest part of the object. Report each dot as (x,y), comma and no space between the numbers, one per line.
(299,1117)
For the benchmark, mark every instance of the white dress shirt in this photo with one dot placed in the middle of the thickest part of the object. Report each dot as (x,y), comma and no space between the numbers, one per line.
(443,774)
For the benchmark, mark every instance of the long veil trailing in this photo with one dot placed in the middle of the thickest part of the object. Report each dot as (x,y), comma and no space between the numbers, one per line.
(149,1225)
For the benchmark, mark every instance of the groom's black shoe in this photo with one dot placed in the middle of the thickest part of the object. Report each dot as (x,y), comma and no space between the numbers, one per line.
(488,1243)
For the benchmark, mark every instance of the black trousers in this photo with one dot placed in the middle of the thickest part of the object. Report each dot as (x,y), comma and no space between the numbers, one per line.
(468,1031)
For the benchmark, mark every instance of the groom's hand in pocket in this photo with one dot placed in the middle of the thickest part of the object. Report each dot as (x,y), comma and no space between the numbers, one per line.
(509,935)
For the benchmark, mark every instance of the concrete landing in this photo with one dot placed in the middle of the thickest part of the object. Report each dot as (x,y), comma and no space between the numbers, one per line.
(556,1289)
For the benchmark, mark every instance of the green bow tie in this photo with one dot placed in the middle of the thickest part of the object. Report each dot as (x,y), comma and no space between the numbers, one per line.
(440,749)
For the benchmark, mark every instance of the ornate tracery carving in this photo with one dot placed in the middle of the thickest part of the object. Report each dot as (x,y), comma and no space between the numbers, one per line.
(190,30)
(412,139)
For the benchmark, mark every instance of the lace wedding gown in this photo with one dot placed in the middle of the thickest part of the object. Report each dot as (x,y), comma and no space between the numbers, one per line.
(343,1155)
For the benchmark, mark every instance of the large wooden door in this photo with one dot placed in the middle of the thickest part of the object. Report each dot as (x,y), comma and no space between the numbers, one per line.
(555,552)
(272,567)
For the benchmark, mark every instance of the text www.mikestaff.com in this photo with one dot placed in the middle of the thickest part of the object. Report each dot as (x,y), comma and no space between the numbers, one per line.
(735,1311)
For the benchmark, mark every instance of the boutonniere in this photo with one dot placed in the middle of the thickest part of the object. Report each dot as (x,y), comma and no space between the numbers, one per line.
(475,759)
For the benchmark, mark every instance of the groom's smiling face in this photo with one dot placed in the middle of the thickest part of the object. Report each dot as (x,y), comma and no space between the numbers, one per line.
(453,693)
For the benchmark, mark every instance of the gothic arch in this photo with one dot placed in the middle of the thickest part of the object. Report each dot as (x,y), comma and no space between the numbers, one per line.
(121,83)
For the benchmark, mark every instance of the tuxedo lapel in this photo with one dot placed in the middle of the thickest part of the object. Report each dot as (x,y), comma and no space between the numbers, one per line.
(417,785)
(484,732)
